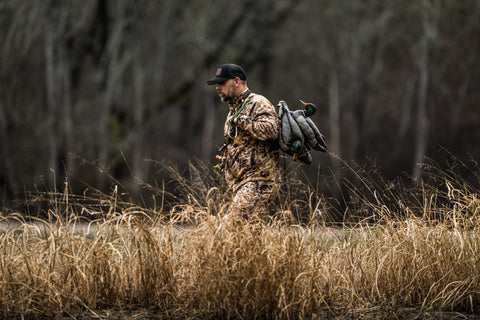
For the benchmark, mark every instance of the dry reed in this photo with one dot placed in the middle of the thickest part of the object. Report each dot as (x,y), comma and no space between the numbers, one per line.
(196,261)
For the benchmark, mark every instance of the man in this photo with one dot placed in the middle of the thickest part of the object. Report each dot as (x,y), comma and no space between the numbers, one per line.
(252,166)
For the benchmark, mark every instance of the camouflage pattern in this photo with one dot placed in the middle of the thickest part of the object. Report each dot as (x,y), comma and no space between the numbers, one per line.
(252,168)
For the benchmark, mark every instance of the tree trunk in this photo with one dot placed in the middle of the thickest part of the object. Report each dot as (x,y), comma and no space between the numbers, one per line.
(114,66)
(334,141)
(430,16)
(6,153)
(52,102)
(354,109)
(68,126)
(208,124)
(406,111)
(422,125)
(139,103)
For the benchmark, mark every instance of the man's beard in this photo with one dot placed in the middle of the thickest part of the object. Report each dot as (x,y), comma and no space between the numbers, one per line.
(229,95)
(226,98)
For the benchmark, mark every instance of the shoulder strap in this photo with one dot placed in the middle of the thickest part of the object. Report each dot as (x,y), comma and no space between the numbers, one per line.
(239,111)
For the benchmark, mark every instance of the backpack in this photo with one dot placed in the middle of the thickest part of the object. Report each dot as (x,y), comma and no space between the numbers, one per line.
(298,133)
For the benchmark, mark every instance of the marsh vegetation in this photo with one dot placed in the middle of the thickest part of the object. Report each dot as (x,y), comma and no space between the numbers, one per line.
(415,248)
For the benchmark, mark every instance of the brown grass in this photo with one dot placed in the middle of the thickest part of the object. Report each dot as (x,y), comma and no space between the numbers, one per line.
(196,261)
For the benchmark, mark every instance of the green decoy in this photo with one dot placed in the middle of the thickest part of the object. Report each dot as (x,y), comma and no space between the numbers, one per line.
(296,147)
(310,108)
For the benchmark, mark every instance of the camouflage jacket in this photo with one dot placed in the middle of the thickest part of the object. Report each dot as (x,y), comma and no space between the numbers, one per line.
(252,148)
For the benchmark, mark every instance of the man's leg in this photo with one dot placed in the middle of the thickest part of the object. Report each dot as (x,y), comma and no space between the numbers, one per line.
(253,198)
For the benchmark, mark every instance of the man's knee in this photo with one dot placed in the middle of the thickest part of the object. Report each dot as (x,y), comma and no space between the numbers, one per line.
(254,197)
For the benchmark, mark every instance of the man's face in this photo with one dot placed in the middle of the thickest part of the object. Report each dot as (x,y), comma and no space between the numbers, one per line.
(226,90)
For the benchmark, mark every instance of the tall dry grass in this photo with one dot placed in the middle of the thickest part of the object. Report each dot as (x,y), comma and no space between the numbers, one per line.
(419,248)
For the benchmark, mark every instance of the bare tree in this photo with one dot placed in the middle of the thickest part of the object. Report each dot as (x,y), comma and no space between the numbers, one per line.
(54,26)
(114,64)
(430,13)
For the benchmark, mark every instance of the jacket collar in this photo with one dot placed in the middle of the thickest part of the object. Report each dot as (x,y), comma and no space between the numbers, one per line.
(238,100)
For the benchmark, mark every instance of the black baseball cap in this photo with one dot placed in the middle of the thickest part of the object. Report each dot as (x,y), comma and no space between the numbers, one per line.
(228,71)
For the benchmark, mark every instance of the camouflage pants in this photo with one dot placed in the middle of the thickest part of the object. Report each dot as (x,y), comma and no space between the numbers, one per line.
(253,198)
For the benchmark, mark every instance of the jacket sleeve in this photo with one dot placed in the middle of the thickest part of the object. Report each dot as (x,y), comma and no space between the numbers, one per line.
(262,123)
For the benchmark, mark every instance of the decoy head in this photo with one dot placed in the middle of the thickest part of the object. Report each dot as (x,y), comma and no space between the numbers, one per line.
(296,147)
(310,108)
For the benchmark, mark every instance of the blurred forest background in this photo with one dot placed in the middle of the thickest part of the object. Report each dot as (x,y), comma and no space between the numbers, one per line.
(94,86)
